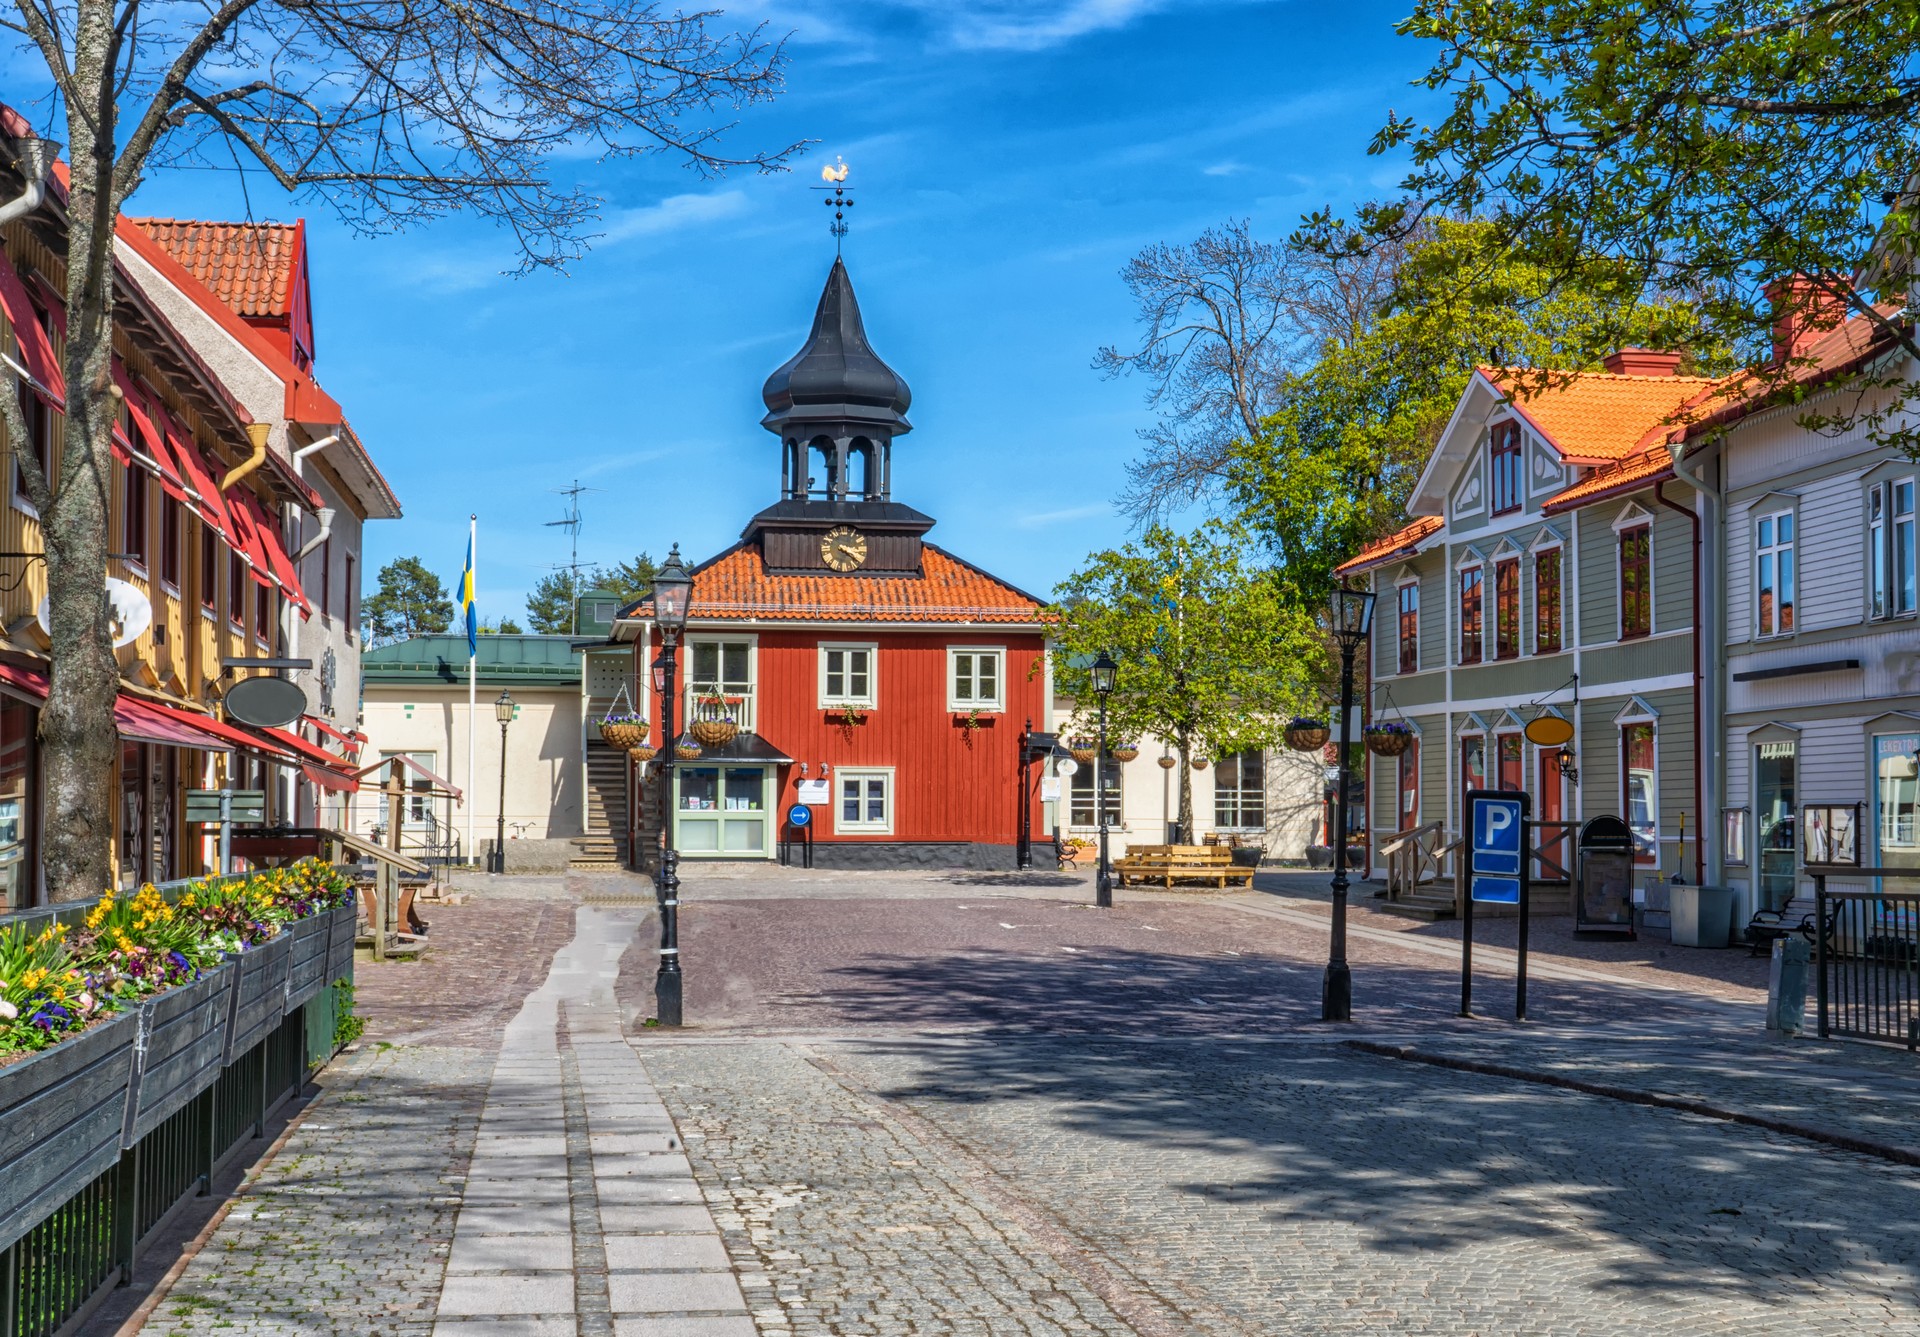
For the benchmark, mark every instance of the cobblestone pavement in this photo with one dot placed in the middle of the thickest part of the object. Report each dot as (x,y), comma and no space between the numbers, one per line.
(1225,1188)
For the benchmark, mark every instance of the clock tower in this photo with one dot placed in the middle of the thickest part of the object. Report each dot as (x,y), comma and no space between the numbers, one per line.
(837,408)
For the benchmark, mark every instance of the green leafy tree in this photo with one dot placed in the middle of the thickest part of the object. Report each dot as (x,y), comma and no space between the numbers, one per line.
(550,605)
(410,601)
(1214,655)
(630,579)
(506,626)
(1332,465)
(1707,147)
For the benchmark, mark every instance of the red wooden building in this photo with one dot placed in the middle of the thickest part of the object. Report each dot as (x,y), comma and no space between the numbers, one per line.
(873,677)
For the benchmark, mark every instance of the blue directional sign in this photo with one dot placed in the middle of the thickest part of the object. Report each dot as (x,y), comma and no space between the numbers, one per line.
(1498,846)
(800,815)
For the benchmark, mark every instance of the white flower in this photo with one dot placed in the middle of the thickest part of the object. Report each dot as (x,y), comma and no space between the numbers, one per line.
(8,1011)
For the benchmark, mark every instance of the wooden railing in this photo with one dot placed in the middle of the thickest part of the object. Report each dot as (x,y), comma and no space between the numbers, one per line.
(1553,851)
(1414,857)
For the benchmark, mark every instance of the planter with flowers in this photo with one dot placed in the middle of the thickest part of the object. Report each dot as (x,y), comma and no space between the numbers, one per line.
(643,752)
(686,750)
(1307,735)
(1198,763)
(714,723)
(1168,762)
(621,726)
(1124,751)
(1388,738)
(1083,749)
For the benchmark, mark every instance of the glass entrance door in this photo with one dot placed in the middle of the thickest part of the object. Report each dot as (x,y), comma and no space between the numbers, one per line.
(1773,767)
(724,811)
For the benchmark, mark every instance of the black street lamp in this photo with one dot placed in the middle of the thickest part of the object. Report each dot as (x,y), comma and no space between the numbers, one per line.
(1103,673)
(502,711)
(672,593)
(1351,623)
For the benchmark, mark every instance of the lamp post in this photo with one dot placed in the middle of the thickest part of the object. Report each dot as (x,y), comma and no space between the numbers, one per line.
(1351,622)
(1103,673)
(502,711)
(672,593)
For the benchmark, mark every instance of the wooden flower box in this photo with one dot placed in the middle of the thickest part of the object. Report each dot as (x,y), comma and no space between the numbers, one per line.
(186,1033)
(259,994)
(344,926)
(308,956)
(62,1113)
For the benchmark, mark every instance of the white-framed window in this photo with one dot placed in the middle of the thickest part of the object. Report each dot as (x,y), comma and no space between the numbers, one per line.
(1773,573)
(417,808)
(847,675)
(1890,542)
(1240,792)
(1409,625)
(723,665)
(863,801)
(974,678)
(1081,808)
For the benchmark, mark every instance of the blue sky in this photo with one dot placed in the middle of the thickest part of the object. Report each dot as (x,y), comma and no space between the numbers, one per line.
(1009,157)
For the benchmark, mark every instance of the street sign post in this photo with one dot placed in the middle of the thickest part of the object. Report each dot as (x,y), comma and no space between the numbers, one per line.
(1496,873)
(224,807)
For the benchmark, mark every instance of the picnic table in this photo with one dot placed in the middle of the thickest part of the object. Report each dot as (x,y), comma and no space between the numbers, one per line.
(1165,865)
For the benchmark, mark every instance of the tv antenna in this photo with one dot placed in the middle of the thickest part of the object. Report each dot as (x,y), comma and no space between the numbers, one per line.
(571,522)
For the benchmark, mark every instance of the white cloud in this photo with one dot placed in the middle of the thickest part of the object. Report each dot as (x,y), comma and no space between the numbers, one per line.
(673,214)
(1225,169)
(1043,519)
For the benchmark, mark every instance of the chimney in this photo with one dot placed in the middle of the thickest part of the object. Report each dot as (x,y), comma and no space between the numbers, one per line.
(1803,314)
(1642,362)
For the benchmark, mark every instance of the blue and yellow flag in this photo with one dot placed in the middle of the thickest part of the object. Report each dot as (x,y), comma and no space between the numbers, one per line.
(466,604)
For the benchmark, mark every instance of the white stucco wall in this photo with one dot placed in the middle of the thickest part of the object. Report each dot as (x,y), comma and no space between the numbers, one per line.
(544,769)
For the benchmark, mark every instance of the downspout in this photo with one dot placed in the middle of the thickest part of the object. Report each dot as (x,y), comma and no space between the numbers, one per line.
(35,157)
(304,451)
(1701,707)
(1711,623)
(326,514)
(257,434)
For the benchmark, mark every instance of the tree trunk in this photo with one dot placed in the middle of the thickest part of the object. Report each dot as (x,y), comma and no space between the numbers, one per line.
(1186,790)
(77,734)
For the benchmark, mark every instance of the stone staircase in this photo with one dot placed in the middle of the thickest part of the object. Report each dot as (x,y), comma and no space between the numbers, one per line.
(1434,900)
(604,846)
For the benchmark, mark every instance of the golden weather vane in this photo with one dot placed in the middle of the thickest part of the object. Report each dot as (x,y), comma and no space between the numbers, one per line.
(835,175)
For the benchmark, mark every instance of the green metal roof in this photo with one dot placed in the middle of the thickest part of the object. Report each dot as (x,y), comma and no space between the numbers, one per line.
(501,660)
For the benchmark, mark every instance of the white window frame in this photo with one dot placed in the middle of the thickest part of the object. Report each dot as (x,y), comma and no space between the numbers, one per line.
(1107,767)
(1773,552)
(841,826)
(1477,564)
(1400,588)
(868,698)
(1633,516)
(1530,592)
(1881,547)
(999,704)
(1637,711)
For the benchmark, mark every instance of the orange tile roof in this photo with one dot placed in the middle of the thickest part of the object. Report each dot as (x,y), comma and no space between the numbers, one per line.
(736,585)
(1596,417)
(1636,471)
(1834,353)
(249,266)
(1393,545)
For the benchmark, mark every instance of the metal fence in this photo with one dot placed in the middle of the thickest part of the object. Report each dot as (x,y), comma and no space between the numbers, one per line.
(1867,961)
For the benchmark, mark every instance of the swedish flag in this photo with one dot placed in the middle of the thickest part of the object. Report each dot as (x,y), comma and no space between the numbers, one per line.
(466,604)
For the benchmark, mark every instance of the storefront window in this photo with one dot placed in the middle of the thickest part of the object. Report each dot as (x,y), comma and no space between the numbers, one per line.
(1896,791)
(699,788)
(1081,810)
(1773,790)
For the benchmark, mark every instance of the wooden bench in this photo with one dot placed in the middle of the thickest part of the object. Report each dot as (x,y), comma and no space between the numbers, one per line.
(1164,865)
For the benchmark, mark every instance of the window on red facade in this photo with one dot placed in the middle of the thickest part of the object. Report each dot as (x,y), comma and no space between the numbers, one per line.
(1636,581)
(1503,461)
(1506,609)
(133,529)
(1546,602)
(172,522)
(262,613)
(1410,628)
(1470,615)
(236,591)
(209,569)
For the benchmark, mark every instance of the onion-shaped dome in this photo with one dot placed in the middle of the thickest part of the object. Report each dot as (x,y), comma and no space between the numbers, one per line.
(836,376)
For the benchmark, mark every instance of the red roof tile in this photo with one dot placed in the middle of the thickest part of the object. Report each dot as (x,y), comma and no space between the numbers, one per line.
(1596,417)
(1636,471)
(249,266)
(736,585)
(1393,545)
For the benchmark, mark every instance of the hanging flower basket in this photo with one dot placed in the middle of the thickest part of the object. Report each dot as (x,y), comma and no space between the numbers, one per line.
(1083,750)
(713,722)
(1168,763)
(1124,751)
(622,726)
(687,750)
(1198,763)
(1307,735)
(643,752)
(1388,740)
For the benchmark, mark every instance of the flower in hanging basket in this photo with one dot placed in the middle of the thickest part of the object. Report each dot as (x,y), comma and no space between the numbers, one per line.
(1167,763)
(623,729)
(1124,751)
(687,750)
(643,752)
(1305,734)
(1389,738)
(1198,763)
(1083,749)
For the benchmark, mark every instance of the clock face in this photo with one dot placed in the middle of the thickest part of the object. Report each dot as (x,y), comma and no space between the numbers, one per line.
(842,548)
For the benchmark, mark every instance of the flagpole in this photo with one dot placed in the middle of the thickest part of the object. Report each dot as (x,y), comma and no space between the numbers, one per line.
(473,660)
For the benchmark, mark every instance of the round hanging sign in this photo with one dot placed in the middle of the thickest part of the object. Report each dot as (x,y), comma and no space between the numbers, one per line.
(129,612)
(265,703)
(1067,766)
(1549,731)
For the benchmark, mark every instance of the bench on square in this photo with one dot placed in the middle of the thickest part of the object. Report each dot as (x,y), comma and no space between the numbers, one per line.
(1164,865)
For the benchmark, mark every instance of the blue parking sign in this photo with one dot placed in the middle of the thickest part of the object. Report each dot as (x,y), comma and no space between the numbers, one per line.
(1498,822)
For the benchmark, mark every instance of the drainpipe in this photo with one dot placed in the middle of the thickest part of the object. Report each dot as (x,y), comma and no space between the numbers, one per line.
(35,159)
(257,434)
(307,450)
(1707,753)
(1703,477)
(326,531)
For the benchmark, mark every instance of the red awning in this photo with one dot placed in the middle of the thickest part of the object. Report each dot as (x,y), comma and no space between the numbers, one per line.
(352,741)
(36,350)
(243,738)
(200,480)
(446,786)
(311,751)
(150,722)
(151,449)
(325,777)
(29,682)
(267,541)
(245,541)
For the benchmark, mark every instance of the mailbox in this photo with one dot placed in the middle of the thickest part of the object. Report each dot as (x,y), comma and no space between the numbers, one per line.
(1603,892)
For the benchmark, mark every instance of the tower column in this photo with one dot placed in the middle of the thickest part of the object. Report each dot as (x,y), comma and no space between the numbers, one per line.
(786,467)
(840,445)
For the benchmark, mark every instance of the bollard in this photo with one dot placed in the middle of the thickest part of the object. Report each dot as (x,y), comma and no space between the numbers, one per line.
(1787,985)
